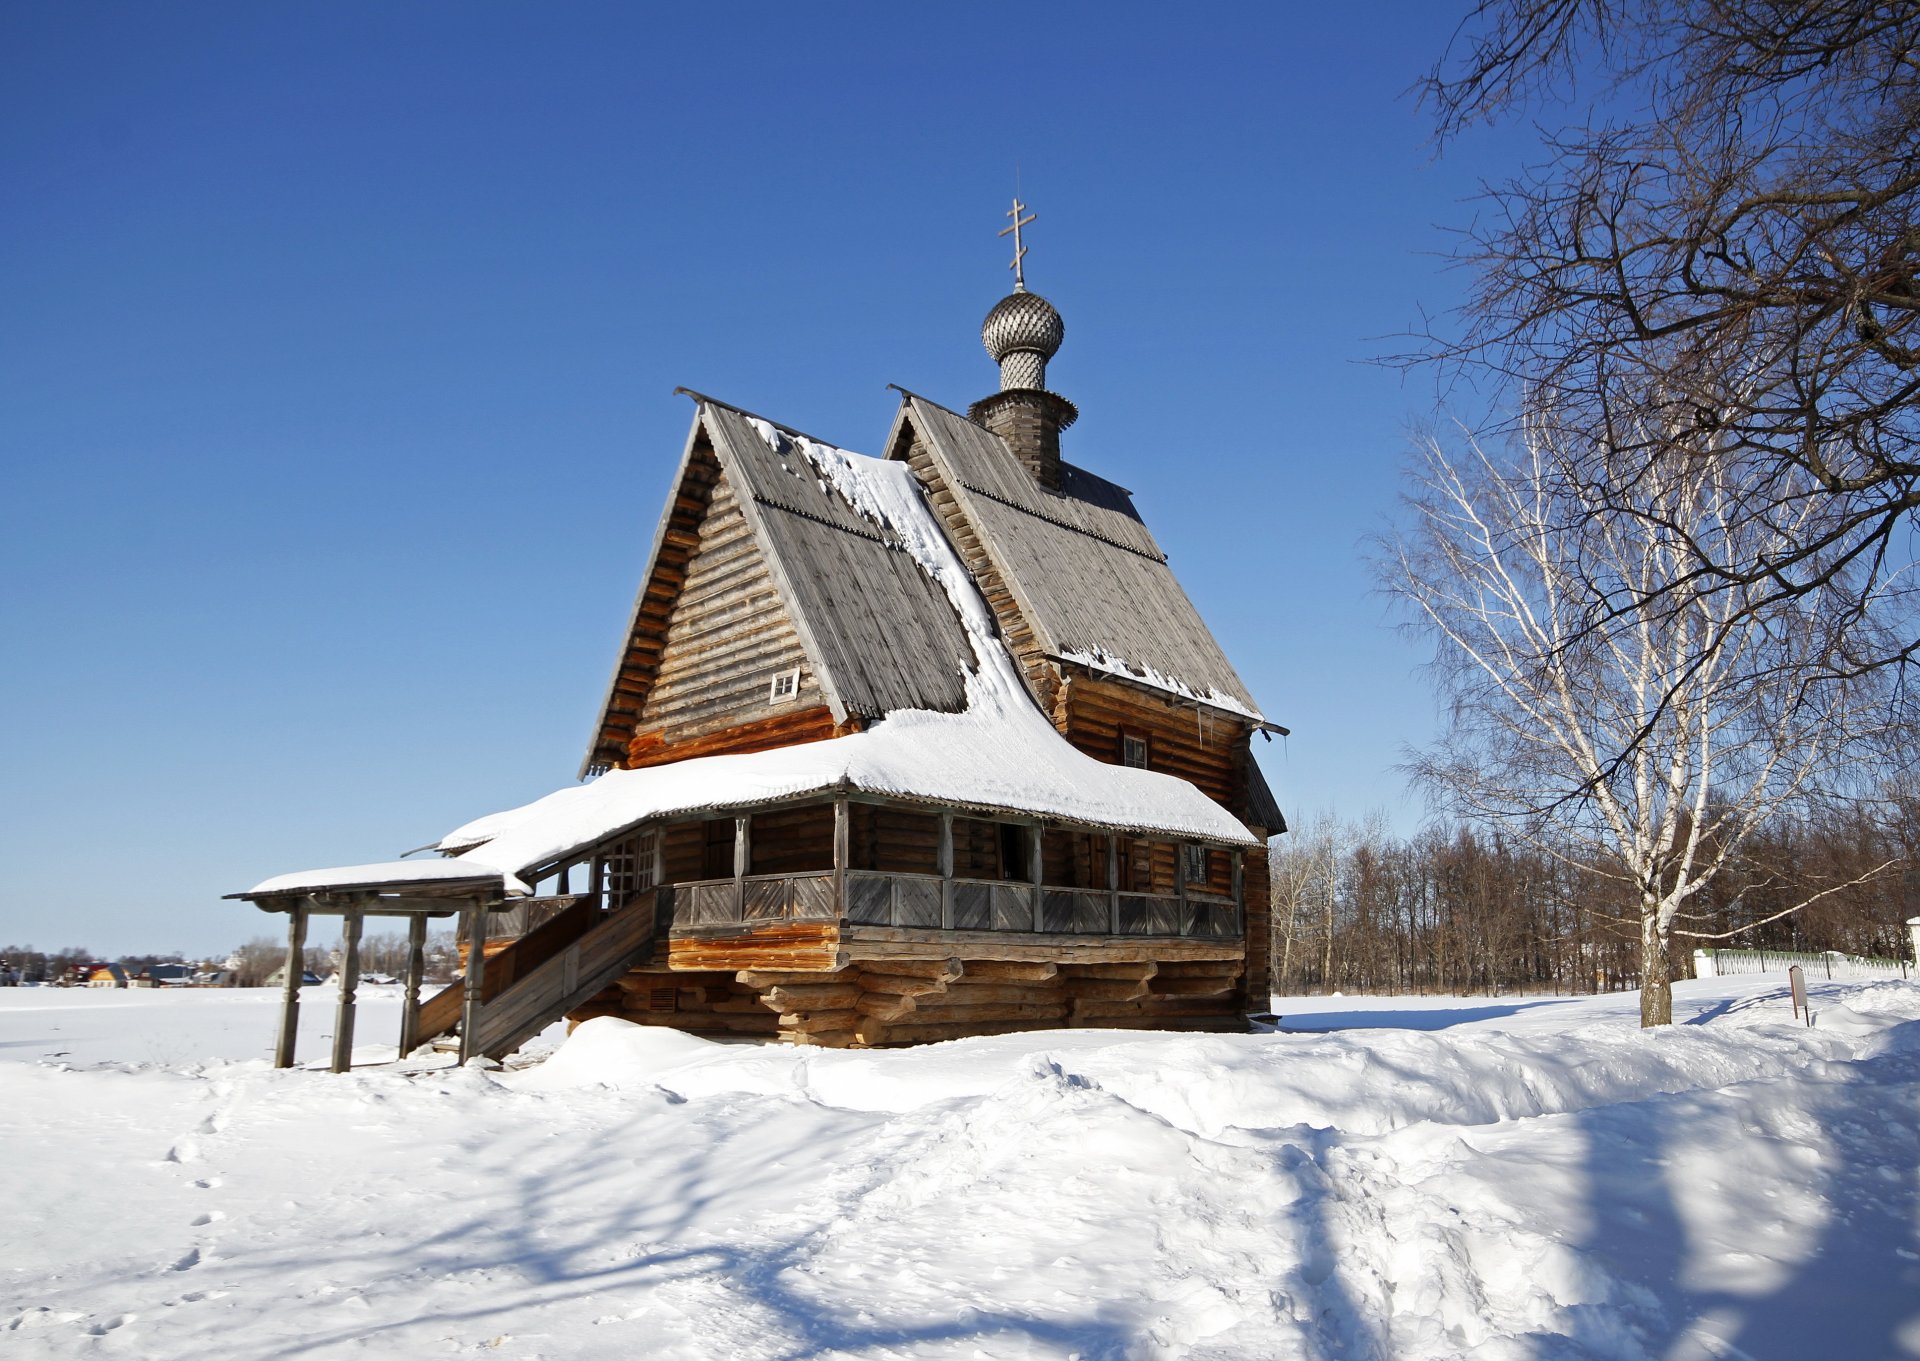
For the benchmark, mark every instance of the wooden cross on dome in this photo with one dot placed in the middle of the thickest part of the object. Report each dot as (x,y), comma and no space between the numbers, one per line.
(1019,251)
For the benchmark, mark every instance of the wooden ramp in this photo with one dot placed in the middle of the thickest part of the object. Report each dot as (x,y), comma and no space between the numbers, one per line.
(543,975)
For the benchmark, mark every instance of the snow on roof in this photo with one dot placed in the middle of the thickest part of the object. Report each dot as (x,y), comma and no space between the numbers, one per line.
(385,874)
(1092,583)
(1142,674)
(999,754)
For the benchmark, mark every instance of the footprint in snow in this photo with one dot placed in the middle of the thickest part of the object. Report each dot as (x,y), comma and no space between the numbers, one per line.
(210,1217)
(207,1183)
(187,1263)
(185,1150)
(107,1325)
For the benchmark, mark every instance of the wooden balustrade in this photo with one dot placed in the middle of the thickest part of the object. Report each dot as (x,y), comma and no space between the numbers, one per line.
(920,901)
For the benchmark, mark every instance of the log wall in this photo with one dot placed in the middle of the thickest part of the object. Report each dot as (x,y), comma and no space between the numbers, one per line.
(727,636)
(1204,749)
(894,1000)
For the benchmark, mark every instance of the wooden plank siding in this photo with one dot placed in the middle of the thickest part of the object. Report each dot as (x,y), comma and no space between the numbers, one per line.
(726,636)
(1206,750)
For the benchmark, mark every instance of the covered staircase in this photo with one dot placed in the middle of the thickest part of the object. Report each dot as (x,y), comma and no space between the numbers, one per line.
(538,978)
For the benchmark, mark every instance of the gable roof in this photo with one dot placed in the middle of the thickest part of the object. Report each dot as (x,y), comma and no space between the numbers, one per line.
(878,634)
(1087,575)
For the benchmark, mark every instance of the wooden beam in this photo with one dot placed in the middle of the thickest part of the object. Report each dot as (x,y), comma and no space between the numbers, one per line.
(410,1001)
(471,1002)
(1113,883)
(296,966)
(742,857)
(842,853)
(1035,871)
(349,984)
(946,871)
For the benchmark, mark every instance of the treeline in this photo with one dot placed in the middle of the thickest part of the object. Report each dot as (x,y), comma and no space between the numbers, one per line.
(1458,910)
(247,966)
(380,953)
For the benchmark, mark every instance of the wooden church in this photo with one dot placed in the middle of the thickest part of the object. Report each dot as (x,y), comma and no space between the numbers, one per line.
(896,749)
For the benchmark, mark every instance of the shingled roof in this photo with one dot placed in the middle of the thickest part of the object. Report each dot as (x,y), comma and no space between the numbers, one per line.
(878,635)
(1088,577)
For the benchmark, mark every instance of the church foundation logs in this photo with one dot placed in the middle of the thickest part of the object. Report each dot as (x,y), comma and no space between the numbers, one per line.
(895,1001)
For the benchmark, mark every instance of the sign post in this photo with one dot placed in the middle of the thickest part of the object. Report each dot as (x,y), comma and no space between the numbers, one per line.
(1797,985)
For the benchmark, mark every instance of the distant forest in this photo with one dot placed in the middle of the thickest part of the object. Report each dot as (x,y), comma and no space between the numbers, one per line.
(1454,910)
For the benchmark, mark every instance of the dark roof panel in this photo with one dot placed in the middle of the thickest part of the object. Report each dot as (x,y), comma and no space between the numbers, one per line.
(1090,579)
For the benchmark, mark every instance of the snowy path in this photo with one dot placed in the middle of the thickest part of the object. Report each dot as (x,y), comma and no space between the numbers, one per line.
(1532,1179)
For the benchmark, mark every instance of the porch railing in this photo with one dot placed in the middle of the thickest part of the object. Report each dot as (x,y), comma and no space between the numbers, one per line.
(917,901)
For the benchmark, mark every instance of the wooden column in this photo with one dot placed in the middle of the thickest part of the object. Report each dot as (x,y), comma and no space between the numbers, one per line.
(1035,864)
(1240,888)
(476,919)
(842,853)
(946,871)
(742,857)
(349,984)
(1180,883)
(1113,882)
(416,966)
(296,966)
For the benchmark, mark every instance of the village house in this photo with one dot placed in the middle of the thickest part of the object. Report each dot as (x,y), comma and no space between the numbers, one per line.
(896,749)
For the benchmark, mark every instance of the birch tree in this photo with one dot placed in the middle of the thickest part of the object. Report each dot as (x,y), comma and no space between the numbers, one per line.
(1646,743)
(1720,235)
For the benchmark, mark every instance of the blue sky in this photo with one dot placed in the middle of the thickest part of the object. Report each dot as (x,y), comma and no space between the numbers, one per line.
(337,347)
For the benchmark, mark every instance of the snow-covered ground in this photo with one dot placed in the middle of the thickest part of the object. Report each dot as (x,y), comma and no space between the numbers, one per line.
(1489,1178)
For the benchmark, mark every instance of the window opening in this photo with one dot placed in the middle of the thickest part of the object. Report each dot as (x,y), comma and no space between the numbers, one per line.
(1133,751)
(785,685)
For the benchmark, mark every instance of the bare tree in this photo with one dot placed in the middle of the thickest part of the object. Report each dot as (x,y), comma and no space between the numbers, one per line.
(1643,745)
(1721,250)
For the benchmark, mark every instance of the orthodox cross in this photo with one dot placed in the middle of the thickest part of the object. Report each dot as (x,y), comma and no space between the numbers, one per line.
(1019,251)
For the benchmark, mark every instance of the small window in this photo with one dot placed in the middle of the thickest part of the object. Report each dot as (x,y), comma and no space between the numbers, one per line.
(785,686)
(1196,865)
(1133,750)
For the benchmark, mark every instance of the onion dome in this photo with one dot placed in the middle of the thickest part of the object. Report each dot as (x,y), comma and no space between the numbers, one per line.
(1022,332)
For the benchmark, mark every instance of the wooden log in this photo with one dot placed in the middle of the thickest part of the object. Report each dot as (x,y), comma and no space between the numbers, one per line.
(1136,972)
(812,996)
(936,1032)
(1217,986)
(932,968)
(1149,1007)
(901,975)
(966,994)
(1107,989)
(762,979)
(986,1015)
(885,946)
(1037,971)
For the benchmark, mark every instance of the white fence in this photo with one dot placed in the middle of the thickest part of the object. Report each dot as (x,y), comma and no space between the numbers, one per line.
(1817,964)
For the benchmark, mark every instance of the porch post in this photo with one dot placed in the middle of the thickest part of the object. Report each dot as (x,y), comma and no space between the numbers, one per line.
(1240,888)
(1113,882)
(295,966)
(842,852)
(1034,871)
(349,984)
(742,857)
(946,871)
(1184,921)
(476,916)
(416,965)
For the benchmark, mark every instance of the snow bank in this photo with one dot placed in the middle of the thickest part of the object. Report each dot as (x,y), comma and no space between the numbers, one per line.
(1527,1181)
